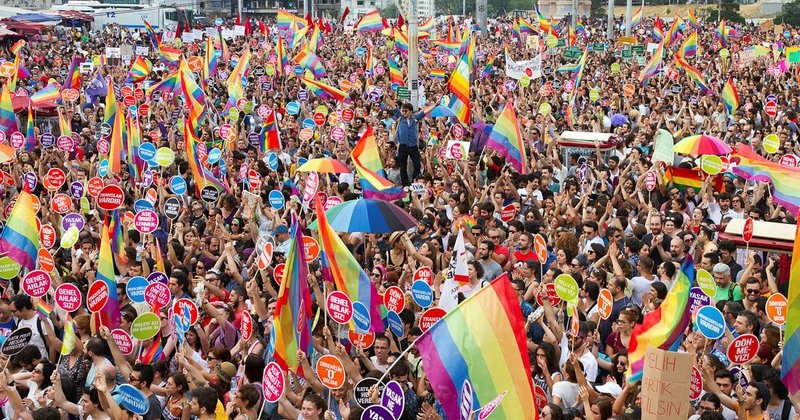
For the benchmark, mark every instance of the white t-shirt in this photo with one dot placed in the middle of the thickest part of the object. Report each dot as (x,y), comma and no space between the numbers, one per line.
(587,359)
(567,391)
(640,286)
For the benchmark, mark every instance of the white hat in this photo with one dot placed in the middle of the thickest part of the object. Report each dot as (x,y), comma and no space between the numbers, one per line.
(612,388)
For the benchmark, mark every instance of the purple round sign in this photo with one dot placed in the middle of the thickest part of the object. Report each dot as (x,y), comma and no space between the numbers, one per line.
(30,179)
(374,97)
(73,219)
(393,398)
(158,276)
(147,178)
(302,95)
(47,139)
(377,412)
(697,299)
(76,190)
(254,139)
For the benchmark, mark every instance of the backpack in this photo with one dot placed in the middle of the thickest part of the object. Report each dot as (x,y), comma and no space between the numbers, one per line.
(41,334)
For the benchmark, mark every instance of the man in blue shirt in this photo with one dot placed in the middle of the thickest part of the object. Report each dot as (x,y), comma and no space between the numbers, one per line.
(408,140)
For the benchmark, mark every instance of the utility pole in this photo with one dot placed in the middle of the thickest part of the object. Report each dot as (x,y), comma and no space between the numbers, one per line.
(240,8)
(413,53)
(305,7)
(719,11)
(628,16)
(574,13)
(610,29)
(480,8)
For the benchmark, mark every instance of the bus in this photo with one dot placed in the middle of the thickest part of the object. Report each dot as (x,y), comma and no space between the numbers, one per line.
(131,15)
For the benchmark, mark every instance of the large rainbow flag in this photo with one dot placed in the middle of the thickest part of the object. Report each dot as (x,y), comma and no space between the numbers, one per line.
(292,320)
(637,16)
(109,314)
(370,22)
(695,75)
(20,237)
(311,61)
(270,136)
(506,139)
(664,327)
(340,267)
(459,85)
(8,119)
(482,341)
(652,67)
(730,96)
(285,20)
(751,166)
(50,94)
(139,71)
(790,365)
(323,89)
(202,176)
(368,162)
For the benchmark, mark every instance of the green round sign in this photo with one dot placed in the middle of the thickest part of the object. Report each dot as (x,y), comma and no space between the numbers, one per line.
(771,143)
(566,288)
(70,237)
(724,53)
(594,95)
(552,41)
(233,114)
(164,156)
(270,69)
(248,107)
(322,109)
(146,326)
(711,164)
(85,205)
(545,108)
(178,42)
(8,268)
(615,68)
(524,81)
(706,282)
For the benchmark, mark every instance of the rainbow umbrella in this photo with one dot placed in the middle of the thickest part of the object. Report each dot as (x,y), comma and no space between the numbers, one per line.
(6,153)
(701,144)
(368,215)
(324,165)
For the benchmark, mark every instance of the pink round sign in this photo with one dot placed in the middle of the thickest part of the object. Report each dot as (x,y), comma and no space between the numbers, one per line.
(36,283)
(123,341)
(340,307)
(68,297)
(157,294)
(16,140)
(146,221)
(273,383)
(247,326)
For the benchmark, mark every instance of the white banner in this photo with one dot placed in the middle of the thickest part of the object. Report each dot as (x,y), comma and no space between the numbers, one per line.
(516,69)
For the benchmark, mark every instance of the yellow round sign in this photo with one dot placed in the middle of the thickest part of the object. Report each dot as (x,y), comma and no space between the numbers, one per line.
(711,164)
(771,143)
(545,108)
(594,95)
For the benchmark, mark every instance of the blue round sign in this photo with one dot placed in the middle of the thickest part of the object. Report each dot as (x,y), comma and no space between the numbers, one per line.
(710,322)
(292,108)
(272,161)
(298,70)
(158,276)
(395,324)
(214,155)
(142,204)
(177,185)
(360,51)
(218,21)
(135,288)
(133,400)
(361,317)
(102,170)
(147,151)
(276,199)
(301,161)
(422,293)
(309,123)
(223,167)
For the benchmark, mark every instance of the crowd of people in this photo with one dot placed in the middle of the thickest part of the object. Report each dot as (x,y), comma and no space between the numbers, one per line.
(599,221)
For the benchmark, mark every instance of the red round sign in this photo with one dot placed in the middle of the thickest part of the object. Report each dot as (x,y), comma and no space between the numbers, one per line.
(458,131)
(95,186)
(253,179)
(319,119)
(539,396)
(605,303)
(157,294)
(144,110)
(747,230)
(742,349)
(110,197)
(771,108)
(129,100)
(277,272)
(650,181)
(363,341)
(696,384)
(68,297)
(138,93)
(47,236)
(424,273)
(36,283)
(56,177)
(508,213)
(394,300)
(97,296)
(273,383)
(123,341)
(247,326)
(340,307)
(179,308)
(789,160)
(61,203)
(552,296)
(430,317)
(126,91)
(348,115)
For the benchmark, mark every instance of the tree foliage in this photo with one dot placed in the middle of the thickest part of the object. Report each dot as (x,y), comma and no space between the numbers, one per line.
(790,14)
(730,12)
(389,12)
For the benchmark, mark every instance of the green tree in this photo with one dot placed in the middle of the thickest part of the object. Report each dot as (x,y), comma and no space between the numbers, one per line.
(790,14)
(390,11)
(730,12)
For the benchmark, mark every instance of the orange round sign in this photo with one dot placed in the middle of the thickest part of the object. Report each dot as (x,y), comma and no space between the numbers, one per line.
(7,69)
(330,371)
(605,303)
(45,260)
(628,89)
(195,64)
(776,308)
(540,248)
(362,340)
(311,247)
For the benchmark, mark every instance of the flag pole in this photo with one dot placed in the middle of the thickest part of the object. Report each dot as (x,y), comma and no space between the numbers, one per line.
(399,358)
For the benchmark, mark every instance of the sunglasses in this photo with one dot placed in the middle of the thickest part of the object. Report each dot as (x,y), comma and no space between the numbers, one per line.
(752,291)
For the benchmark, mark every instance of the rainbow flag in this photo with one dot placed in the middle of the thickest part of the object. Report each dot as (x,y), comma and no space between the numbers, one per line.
(169,55)
(571,38)
(579,28)
(451,47)
(370,22)
(202,176)
(15,49)
(8,119)
(69,337)
(270,135)
(109,314)
(280,54)
(63,125)
(572,119)
(30,133)
(140,69)
(73,79)
(652,67)
(790,365)
(663,327)
(578,75)
(689,178)
(17,68)
(401,42)
(695,75)
(672,32)
(722,33)
(481,341)
(693,22)
(526,27)
(292,319)
(395,74)
(440,74)
(340,267)
(427,25)
(754,167)
(170,84)
(637,16)
(193,95)
(20,238)
(516,31)
(210,61)
(730,96)
(285,20)
(110,111)
(506,139)
(43,308)
(151,33)
(658,30)
(118,132)
(459,85)
(689,47)
(316,39)
(368,162)
(322,89)
(296,35)
(48,95)
(220,44)
(369,64)
(544,24)
(310,61)
(154,352)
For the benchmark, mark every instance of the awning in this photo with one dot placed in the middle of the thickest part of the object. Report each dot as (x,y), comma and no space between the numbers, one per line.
(4,31)
(37,18)
(24,27)
(20,104)
(72,14)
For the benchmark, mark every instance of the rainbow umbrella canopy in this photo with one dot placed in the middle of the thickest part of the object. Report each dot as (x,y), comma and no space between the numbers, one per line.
(368,215)
(7,153)
(324,165)
(701,144)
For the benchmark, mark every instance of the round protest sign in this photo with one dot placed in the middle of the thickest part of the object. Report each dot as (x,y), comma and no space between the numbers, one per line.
(8,268)
(132,399)
(540,248)
(706,282)
(394,299)
(742,349)
(777,306)
(696,384)
(45,260)
(183,306)
(697,299)
(330,371)
(110,197)
(273,383)
(771,142)
(605,303)
(377,412)
(339,307)
(430,317)
(395,324)
(393,398)
(68,297)
(36,283)
(311,247)
(172,208)
(68,239)
(157,294)
(361,391)
(539,396)
(710,322)
(425,274)
(246,328)
(135,288)
(422,293)
(97,296)
(16,341)
(145,221)
(123,341)
(145,326)
(361,317)
(566,288)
